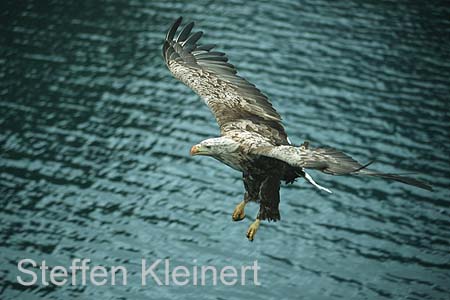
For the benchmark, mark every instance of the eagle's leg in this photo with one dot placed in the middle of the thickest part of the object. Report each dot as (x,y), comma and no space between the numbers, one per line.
(251,185)
(269,200)
(251,232)
(269,195)
(239,211)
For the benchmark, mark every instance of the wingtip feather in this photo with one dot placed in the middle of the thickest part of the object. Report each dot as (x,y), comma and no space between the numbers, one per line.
(184,34)
(173,29)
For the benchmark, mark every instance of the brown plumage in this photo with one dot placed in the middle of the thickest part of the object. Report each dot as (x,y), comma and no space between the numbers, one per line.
(253,140)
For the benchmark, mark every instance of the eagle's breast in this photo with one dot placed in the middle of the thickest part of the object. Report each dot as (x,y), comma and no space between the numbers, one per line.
(236,160)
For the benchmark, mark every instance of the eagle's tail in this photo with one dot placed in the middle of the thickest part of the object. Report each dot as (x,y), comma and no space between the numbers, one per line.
(396,177)
(343,164)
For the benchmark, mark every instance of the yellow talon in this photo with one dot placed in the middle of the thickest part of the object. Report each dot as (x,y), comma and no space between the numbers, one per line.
(252,230)
(239,213)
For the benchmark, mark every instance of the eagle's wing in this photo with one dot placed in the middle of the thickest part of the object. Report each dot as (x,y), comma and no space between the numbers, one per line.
(330,161)
(327,160)
(235,102)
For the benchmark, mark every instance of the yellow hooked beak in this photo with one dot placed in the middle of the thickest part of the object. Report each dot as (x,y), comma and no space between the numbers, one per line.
(194,150)
(199,150)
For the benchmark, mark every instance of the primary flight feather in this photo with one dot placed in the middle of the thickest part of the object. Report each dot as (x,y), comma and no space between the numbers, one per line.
(253,140)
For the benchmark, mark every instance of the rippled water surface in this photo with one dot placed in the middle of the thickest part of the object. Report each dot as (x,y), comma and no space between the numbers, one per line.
(95,135)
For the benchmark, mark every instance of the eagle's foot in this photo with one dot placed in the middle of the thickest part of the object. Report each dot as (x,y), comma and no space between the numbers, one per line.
(252,230)
(239,213)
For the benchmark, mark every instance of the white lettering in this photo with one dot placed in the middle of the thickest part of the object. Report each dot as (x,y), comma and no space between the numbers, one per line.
(103,273)
(185,274)
(58,271)
(32,273)
(214,272)
(145,272)
(114,270)
(233,275)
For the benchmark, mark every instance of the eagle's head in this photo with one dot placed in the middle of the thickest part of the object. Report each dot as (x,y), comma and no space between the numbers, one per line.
(215,147)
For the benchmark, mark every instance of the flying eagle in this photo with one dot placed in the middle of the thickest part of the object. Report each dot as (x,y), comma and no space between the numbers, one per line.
(253,140)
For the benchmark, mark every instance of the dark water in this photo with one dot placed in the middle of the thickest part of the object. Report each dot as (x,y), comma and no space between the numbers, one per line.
(95,135)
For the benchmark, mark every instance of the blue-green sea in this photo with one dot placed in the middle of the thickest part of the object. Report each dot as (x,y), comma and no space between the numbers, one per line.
(95,139)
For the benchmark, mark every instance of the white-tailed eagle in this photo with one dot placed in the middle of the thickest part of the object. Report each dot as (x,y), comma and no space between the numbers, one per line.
(253,140)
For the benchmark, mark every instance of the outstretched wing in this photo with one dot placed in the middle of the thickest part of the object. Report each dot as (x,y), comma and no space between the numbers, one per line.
(330,161)
(233,100)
